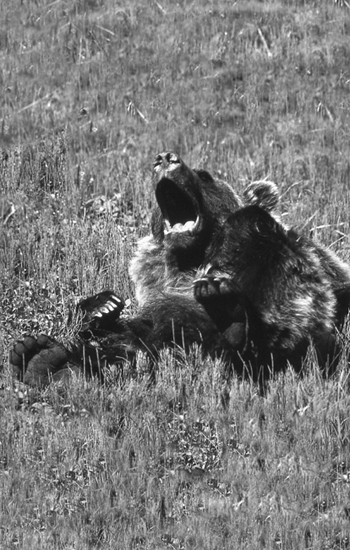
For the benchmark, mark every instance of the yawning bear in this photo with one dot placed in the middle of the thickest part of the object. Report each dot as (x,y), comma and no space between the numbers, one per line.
(217,271)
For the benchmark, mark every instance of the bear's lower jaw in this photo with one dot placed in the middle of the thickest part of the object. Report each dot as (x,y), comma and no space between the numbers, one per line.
(189,227)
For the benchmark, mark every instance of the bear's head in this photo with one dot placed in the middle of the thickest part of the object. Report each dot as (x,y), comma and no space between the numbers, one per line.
(191,207)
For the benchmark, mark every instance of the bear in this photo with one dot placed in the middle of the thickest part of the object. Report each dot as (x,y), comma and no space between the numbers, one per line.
(189,277)
(293,291)
(191,208)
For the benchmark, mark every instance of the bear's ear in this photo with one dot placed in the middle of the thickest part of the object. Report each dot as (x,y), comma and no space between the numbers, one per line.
(263,193)
(204,176)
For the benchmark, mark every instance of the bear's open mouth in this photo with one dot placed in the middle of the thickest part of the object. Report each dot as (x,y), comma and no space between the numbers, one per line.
(179,209)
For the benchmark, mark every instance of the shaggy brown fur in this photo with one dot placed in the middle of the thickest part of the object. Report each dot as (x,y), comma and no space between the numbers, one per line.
(293,290)
(193,235)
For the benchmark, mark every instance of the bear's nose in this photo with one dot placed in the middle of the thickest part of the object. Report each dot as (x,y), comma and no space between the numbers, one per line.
(164,160)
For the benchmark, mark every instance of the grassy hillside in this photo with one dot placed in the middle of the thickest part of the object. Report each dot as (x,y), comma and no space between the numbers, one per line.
(91,90)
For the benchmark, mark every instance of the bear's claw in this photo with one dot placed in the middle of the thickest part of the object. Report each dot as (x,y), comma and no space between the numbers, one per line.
(101,310)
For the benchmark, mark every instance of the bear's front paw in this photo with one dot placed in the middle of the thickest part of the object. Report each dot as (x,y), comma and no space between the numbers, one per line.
(99,311)
(222,300)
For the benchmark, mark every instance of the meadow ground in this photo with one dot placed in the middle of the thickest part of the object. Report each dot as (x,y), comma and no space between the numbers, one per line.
(90,91)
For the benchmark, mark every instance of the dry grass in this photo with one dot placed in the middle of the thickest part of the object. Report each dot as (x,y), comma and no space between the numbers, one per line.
(91,91)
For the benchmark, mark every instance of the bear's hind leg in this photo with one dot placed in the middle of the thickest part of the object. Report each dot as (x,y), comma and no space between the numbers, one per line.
(37,360)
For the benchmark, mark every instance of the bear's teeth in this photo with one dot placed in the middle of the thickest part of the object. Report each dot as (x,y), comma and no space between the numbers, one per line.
(167,228)
(179,227)
(189,226)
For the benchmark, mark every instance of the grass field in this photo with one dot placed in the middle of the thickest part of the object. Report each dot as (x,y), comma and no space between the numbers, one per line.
(91,91)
